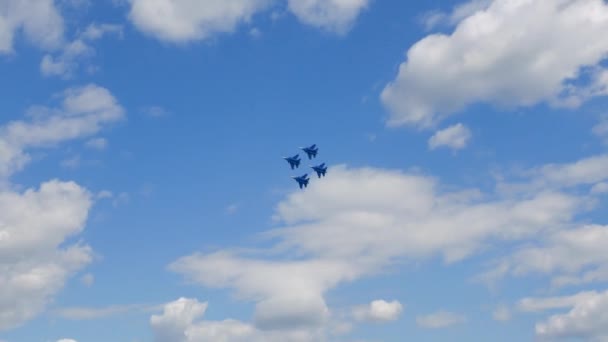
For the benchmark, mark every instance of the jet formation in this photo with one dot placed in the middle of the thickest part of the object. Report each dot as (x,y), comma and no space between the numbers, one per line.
(294,163)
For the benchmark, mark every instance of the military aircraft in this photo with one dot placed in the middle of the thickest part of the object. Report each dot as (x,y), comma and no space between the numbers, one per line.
(311,151)
(302,180)
(320,169)
(293,161)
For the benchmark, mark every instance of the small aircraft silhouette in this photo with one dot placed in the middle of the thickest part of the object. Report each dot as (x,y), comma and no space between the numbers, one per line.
(320,169)
(311,151)
(302,180)
(293,161)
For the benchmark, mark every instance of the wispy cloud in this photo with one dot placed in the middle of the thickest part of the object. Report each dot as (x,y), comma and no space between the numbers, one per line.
(440,319)
(66,63)
(87,313)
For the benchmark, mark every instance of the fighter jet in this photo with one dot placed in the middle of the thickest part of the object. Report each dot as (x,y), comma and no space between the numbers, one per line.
(293,161)
(320,169)
(311,151)
(302,180)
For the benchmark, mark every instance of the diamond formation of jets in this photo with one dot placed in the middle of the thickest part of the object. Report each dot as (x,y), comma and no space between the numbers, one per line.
(294,162)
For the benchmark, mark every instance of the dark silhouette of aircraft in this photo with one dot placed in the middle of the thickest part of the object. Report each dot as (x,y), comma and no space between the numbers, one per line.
(311,151)
(302,180)
(293,161)
(320,169)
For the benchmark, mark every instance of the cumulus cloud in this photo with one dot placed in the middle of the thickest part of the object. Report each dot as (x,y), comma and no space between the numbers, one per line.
(181,321)
(379,311)
(66,340)
(34,263)
(395,214)
(289,294)
(587,318)
(38,20)
(489,58)
(440,319)
(186,20)
(35,224)
(358,221)
(336,16)
(83,112)
(67,62)
(455,137)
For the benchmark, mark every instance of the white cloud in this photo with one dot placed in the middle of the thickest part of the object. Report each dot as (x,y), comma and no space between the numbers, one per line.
(455,137)
(68,61)
(104,194)
(97,143)
(460,12)
(181,321)
(336,16)
(489,58)
(38,20)
(358,221)
(36,258)
(379,311)
(187,20)
(96,31)
(440,319)
(551,303)
(34,263)
(576,255)
(66,340)
(600,188)
(396,214)
(289,294)
(572,255)
(78,313)
(587,318)
(83,112)
(589,171)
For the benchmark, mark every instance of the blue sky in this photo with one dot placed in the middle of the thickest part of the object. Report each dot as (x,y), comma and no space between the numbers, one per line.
(143,196)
